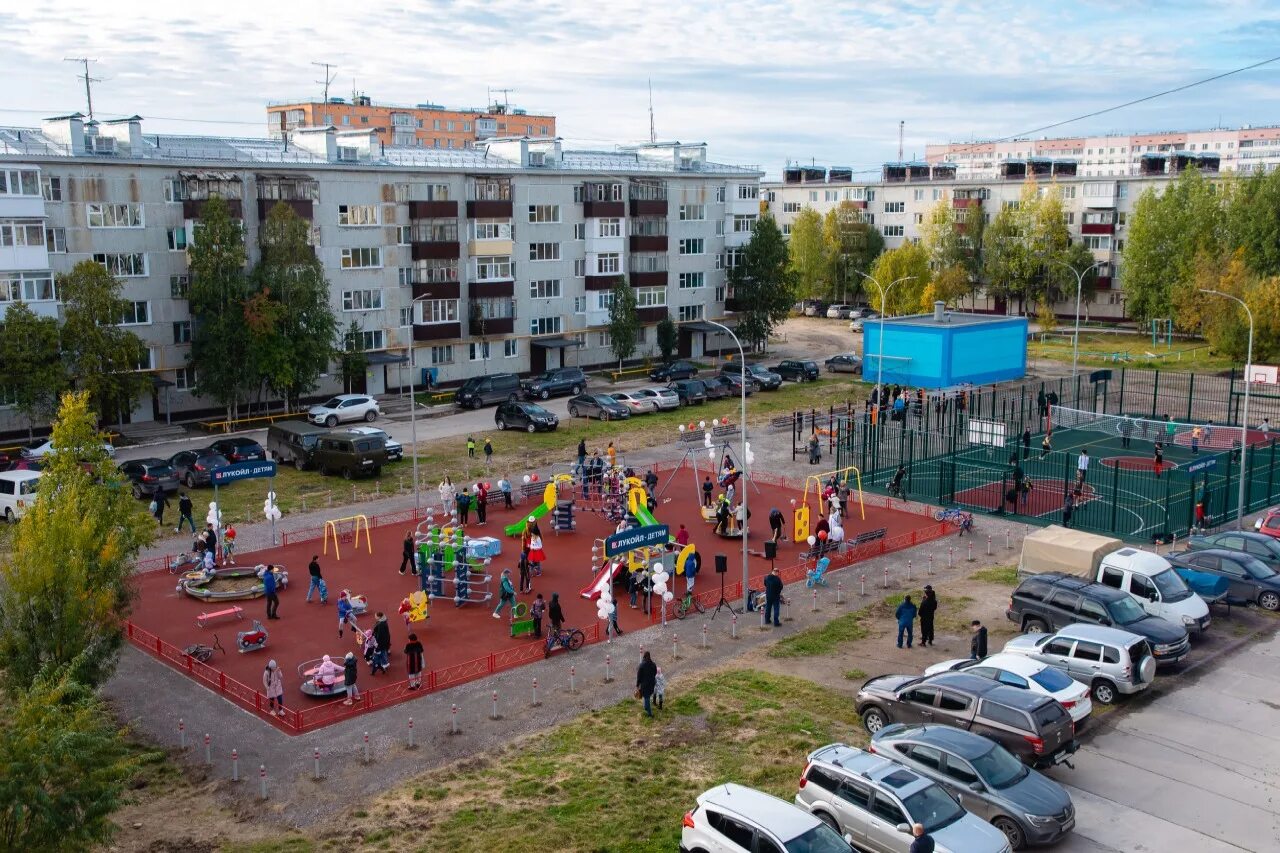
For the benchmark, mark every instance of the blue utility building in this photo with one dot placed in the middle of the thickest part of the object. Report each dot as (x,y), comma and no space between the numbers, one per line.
(945,348)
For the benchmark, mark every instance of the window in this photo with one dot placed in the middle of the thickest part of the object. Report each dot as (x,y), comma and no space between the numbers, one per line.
(692,246)
(178,285)
(404,276)
(27,287)
(608,263)
(406,316)
(435,271)
(433,311)
(442,355)
(733,257)
(1112,577)
(580,267)
(693,212)
(51,188)
(831,195)
(692,280)
(403,234)
(182,332)
(651,297)
(491,267)
(917,195)
(544,213)
(960,771)
(511,348)
(604,339)
(821,778)
(545,289)
(744,224)
(893,231)
(1097,241)
(136,314)
(854,793)
(921,696)
(610,228)
(1004,715)
(952,702)
(748,192)
(184,379)
(887,810)
(478,351)
(123,264)
(917,218)
(895,207)
(687,313)
(361,258)
(114,215)
(721,291)
(719,227)
(580,231)
(579,304)
(928,756)
(544,251)
(177,238)
(361,300)
(19,182)
(791,207)
(56,239)
(1088,651)
(545,326)
(491,229)
(738,833)
(1058,648)
(22,232)
(358,215)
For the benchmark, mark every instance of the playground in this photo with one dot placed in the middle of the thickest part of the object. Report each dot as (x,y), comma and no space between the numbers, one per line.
(454,620)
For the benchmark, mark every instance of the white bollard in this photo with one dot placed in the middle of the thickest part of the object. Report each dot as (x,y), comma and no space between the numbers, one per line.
(412,745)
(315,774)
(1008,540)
(573,672)
(969,559)
(839,592)
(675,647)
(862,584)
(733,626)
(536,703)
(951,556)
(208,756)
(908,571)
(886,577)
(262,781)
(453,729)
(930,570)
(182,734)
(494,715)
(608,669)
(815,600)
(235,766)
(704,637)
(988,544)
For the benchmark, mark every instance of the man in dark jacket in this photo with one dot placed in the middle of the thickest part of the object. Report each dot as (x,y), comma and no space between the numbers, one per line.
(928,607)
(646,681)
(923,842)
(906,614)
(978,644)
(269,592)
(772,597)
(406,558)
(184,514)
(382,639)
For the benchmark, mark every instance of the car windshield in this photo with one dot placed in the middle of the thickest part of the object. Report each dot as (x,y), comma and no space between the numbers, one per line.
(333,403)
(1126,610)
(998,768)
(1052,679)
(536,410)
(933,807)
(36,445)
(820,839)
(1258,570)
(1172,587)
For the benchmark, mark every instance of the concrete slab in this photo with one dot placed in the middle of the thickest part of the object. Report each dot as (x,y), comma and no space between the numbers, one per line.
(1107,825)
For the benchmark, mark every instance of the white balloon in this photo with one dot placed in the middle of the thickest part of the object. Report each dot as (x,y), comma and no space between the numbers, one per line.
(526,479)
(715,422)
(667,596)
(681,427)
(702,424)
(812,539)
(711,453)
(659,588)
(662,576)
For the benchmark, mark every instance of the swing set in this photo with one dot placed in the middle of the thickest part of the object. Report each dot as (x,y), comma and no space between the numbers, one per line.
(800,521)
(347,530)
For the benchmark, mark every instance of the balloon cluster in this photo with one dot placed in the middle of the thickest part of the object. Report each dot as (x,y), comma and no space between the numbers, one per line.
(604,604)
(214,515)
(269,508)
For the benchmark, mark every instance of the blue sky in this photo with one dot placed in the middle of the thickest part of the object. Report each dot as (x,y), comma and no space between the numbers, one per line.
(762,82)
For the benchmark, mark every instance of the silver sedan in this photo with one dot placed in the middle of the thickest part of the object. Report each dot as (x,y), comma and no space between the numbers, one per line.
(664,398)
(635,403)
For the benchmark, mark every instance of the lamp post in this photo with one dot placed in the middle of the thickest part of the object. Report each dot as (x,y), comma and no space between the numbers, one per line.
(884,309)
(1075,337)
(742,420)
(1244,417)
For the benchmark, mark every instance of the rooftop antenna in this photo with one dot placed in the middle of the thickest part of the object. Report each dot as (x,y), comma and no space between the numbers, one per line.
(652,136)
(901,126)
(328,77)
(88,90)
(506,98)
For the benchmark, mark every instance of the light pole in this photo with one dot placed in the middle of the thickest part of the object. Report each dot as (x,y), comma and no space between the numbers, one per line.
(1075,337)
(884,309)
(742,420)
(1244,417)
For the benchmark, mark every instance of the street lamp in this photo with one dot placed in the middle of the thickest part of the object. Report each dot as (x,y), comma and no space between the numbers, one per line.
(884,309)
(742,420)
(1075,337)
(1244,417)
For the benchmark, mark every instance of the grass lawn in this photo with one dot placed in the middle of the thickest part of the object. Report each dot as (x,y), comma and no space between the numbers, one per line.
(1106,350)
(822,639)
(1001,575)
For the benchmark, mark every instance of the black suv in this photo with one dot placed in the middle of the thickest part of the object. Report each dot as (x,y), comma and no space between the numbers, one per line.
(1032,726)
(674,370)
(690,391)
(562,380)
(1054,600)
(195,467)
(764,378)
(150,476)
(797,370)
(239,449)
(529,417)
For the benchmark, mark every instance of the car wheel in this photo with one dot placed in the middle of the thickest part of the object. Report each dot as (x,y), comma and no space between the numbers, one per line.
(544,394)
(347,473)
(501,424)
(1032,625)
(8,515)
(831,368)
(137,492)
(1269,601)
(1103,692)
(874,719)
(575,390)
(573,411)
(829,821)
(531,428)
(604,416)
(331,421)
(1011,830)
(190,481)
(371,415)
(300,464)
(475,404)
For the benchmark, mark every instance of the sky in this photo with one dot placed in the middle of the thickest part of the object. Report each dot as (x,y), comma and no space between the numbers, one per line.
(761,82)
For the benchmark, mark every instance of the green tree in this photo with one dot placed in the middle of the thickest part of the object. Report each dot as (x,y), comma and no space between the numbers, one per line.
(63,764)
(352,361)
(909,261)
(941,238)
(30,364)
(809,256)
(852,247)
(1253,220)
(762,283)
(1079,258)
(65,586)
(291,324)
(220,341)
(99,356)
(668,338)
(624,321)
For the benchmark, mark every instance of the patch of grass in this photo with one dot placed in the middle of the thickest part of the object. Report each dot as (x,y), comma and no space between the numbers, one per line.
(1001,575)
(855,674)
(822,639)
(1103,349)
(284,845)
(614,780)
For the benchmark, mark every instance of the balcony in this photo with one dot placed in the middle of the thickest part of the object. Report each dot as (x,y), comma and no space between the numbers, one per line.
(1098,228)
(491,289)
(437,331)
(649,207)
(733,303)
(606,209)
(648,243)
(437,290)
(651,315)
(192,207)
(303,207)
(432,209)
(490,209)
(653,278)
(481,327)
(602,282)
(1102,282)
(435,250)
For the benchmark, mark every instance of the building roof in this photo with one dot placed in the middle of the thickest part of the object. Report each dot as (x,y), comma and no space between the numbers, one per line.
(950,318)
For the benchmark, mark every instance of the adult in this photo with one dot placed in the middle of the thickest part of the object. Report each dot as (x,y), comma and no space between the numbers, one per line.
(555,613)
(159,503)
(899,478)
(722,516)
(682,536)
(611,625)
(447,494)
(317,580)
(906,614)
(582,457)
(691,568)
(269,591)
(210,539)
(651,482)
(646,682)
(978,642)
(504,486)
(612,453)
(185,514)
(413,661)
(463,505)
(1126,431)
(1042,403)
(488,453)
(815,449)
(526,583)
(922,841)
(273,685)
(928,608)
(1026,443)
(482,503)
(506,595)
(1082,465)
(406,553)
(775,523)
(349,675)
(772,597)
(382,643)
(1068,507)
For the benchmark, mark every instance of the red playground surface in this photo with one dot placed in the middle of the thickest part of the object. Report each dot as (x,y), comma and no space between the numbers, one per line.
(1045,497)
(465,643)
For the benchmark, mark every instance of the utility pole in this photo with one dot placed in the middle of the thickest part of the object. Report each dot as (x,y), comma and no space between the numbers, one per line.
(328,77)
(88,90)
(901,126)
(653,137)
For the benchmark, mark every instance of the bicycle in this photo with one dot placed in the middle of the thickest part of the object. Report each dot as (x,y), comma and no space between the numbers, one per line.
(896,491)
(688,603)
(958,517)
(201,652)
(570,638)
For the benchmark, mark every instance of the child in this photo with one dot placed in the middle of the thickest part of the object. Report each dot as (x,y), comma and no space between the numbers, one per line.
(368,648)
(349,673)
(1046,445)
(659,688)
(413,661)
(526,584)
(536,610)
(208,559)
(405,609)
(346,613)
(273,682)
(504,486)
(536,555)
(229,545)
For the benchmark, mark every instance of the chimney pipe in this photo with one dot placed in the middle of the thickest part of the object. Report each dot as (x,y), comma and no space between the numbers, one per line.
(939,311)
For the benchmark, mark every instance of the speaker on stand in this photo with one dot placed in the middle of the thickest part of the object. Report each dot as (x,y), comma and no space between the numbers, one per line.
(722,569)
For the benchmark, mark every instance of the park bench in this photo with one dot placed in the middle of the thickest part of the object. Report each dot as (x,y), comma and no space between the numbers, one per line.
(234,610)
(868,536)
(530,490)
(617,375)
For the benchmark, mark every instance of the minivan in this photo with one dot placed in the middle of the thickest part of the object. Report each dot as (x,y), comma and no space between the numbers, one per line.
(293,442)
(1110,661)
(1156,586)
(17,493)
(486,390)
(349,455)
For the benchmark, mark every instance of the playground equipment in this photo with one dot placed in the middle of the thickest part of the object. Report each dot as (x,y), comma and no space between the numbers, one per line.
(416,608)
(347,529)
(441,551)
(321,677)
(252,640)
(550,497)
(716,451)
(242,582)
(800,522)
(634,559)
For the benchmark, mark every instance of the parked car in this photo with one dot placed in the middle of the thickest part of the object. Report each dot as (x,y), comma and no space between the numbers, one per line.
(555,382)
(1033,727)
(637,404)
(873,802)
(844,363)
(17,493)
(1027,806)
(1265,548)
(765,379)
(839,312)
(1054,600)
(530,417)
(349,455)
(1026,674)
(1154,584)
(664,398)
(689,391)
(857,325)
(1251,581)
(150,476)
(674,370)
(37,450)
(484,390)
(395,450)
(732,383)
(814,308)
(600,406)
(1111,661)
(238,449)
(714,390)
(293,442)
(195,467)
(344,408)
(1269,524)
(797,370)
(863,313)
(732,818)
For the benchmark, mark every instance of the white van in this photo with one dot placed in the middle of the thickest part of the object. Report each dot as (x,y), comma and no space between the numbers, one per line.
(1157,587)
(17,492)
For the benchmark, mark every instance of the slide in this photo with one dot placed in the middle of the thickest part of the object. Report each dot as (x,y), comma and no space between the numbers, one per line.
(603,579)
(548,504)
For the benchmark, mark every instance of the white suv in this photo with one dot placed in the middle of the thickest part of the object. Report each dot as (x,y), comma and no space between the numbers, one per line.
(732,818)
(344,408)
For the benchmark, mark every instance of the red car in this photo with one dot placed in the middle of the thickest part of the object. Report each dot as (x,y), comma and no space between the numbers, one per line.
(1269,523)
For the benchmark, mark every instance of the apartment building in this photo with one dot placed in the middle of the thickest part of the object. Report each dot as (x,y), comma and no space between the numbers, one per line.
(1245,149)
(898,201)
(453,263)
(420,125)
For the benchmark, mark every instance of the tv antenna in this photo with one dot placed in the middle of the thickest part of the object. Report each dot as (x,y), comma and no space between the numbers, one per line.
(88,89)
(652,136)
(328,77)
(506,97)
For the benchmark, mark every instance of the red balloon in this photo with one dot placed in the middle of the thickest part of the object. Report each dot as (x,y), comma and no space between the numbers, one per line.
(533,477)
(822,534)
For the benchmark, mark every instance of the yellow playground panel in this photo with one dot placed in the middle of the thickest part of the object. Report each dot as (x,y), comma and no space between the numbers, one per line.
(338,529)
(801,519)
(419,604)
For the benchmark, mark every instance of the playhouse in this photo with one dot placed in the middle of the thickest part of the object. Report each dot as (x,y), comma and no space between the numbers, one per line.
(946,348)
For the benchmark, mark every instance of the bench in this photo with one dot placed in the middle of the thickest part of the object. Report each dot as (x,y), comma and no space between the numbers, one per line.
(824,548)
(615,375)
(234,610)
(440,396)
(529,490)
(867,536)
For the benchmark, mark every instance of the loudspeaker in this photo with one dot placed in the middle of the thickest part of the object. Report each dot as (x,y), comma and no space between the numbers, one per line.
(722,564)
(770,550)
